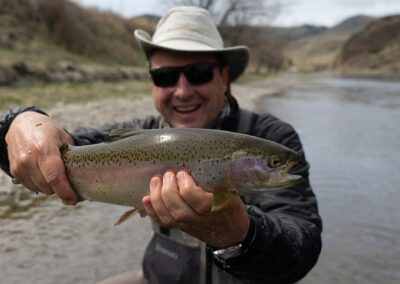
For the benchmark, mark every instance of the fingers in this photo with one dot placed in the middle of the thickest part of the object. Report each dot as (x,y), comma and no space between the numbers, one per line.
(178,208)
(33,142)
(150,210)
(32,179)
(175,200)
(197,198)
(54,178)
(159,209)
(46,176)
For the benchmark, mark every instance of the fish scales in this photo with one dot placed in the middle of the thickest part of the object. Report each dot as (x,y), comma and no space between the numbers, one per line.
(119,170)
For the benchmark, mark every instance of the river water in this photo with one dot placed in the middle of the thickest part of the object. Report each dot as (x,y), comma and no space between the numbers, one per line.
(351,135)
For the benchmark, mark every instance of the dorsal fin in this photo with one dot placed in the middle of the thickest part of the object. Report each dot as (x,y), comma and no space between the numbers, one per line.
(120,133)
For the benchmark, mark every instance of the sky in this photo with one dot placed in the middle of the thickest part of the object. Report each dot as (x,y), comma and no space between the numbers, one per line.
(297,12)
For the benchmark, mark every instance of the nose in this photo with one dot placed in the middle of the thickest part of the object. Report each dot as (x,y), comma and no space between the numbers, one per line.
(183,88)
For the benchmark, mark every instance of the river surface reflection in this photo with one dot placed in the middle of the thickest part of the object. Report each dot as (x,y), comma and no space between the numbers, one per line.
(351,135)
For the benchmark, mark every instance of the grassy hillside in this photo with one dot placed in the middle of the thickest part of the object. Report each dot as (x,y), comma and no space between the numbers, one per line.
(373,51)
(58,30)
(46,96)
(317,52)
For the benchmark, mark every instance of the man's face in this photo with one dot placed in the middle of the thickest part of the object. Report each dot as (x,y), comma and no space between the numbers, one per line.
(186,105)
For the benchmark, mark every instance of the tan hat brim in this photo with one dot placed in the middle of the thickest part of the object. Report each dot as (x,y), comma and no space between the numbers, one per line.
(236,57)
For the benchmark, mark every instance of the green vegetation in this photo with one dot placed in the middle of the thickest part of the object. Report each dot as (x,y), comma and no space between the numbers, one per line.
(48,95)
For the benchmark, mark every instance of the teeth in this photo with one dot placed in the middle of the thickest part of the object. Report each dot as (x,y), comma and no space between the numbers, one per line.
(186,108)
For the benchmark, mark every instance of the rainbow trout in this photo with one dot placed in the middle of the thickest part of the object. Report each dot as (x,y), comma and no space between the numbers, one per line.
(119,170)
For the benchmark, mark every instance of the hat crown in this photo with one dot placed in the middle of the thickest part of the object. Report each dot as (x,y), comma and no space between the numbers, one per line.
(187,24)
(191,29)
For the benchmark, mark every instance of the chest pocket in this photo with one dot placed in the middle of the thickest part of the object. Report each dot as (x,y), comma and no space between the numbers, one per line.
(168,262)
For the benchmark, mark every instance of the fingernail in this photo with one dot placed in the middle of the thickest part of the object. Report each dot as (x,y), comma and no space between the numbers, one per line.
(168,176)
(153,182)
(181,176)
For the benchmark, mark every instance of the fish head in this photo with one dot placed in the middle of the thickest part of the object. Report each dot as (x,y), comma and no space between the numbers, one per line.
(253,171)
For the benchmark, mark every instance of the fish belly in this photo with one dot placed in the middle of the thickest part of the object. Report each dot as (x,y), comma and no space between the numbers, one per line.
(127,184)
(122,185)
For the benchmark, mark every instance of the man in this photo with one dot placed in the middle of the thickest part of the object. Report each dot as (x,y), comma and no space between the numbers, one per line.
(273,237)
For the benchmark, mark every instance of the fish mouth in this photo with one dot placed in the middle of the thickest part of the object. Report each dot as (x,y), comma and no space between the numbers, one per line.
(283,178)
(186,108)
(289,180)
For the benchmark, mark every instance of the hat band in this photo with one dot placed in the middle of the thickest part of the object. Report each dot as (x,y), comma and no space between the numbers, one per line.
(185,45)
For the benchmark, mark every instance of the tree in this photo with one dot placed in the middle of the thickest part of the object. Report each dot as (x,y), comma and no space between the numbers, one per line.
(235,12)
(246,22)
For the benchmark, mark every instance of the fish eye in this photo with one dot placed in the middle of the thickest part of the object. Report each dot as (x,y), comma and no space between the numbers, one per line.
(274,162)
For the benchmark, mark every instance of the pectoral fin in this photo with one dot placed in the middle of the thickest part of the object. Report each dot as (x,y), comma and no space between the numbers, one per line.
(239,154)
(221,198)
(128,214)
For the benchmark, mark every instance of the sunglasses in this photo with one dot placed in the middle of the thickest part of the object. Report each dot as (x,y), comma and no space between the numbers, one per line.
(196,74)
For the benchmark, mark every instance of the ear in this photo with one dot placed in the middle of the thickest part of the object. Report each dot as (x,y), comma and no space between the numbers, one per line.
(225,77)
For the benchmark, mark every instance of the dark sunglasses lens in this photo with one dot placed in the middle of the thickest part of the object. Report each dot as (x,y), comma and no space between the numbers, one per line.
(200,73)
(165,77)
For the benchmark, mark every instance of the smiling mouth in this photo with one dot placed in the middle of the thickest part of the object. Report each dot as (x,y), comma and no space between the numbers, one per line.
(186,109)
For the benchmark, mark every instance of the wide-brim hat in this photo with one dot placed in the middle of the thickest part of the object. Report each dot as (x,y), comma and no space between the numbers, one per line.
(191,29)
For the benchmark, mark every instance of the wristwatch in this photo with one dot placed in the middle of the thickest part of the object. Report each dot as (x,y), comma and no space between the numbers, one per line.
(239,249)
(229,252)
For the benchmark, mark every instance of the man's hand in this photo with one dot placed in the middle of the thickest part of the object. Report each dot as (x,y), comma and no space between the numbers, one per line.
(176,201)
(33,142)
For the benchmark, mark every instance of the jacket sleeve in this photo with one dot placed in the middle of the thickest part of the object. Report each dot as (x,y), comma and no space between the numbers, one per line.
(5,122)
(284,240)
(86,135)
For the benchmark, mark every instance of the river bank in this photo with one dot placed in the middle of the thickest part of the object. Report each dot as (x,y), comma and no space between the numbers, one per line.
(47,242)
(349,129)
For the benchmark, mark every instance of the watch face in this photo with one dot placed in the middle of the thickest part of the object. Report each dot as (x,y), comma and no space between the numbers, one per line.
(229,252)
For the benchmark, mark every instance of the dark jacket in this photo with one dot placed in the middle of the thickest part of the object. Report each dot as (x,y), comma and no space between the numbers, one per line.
(284,240)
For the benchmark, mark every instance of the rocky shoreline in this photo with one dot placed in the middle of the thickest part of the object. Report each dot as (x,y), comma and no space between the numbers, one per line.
(65,71)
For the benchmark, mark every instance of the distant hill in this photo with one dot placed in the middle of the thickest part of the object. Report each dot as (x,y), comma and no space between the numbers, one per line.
(318,51)
(40,36)
(373,51)
(144,22)
(59,41)
(290,34)
(58,30)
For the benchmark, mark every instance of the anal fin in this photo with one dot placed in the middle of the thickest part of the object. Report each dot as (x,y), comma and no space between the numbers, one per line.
(128,214)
